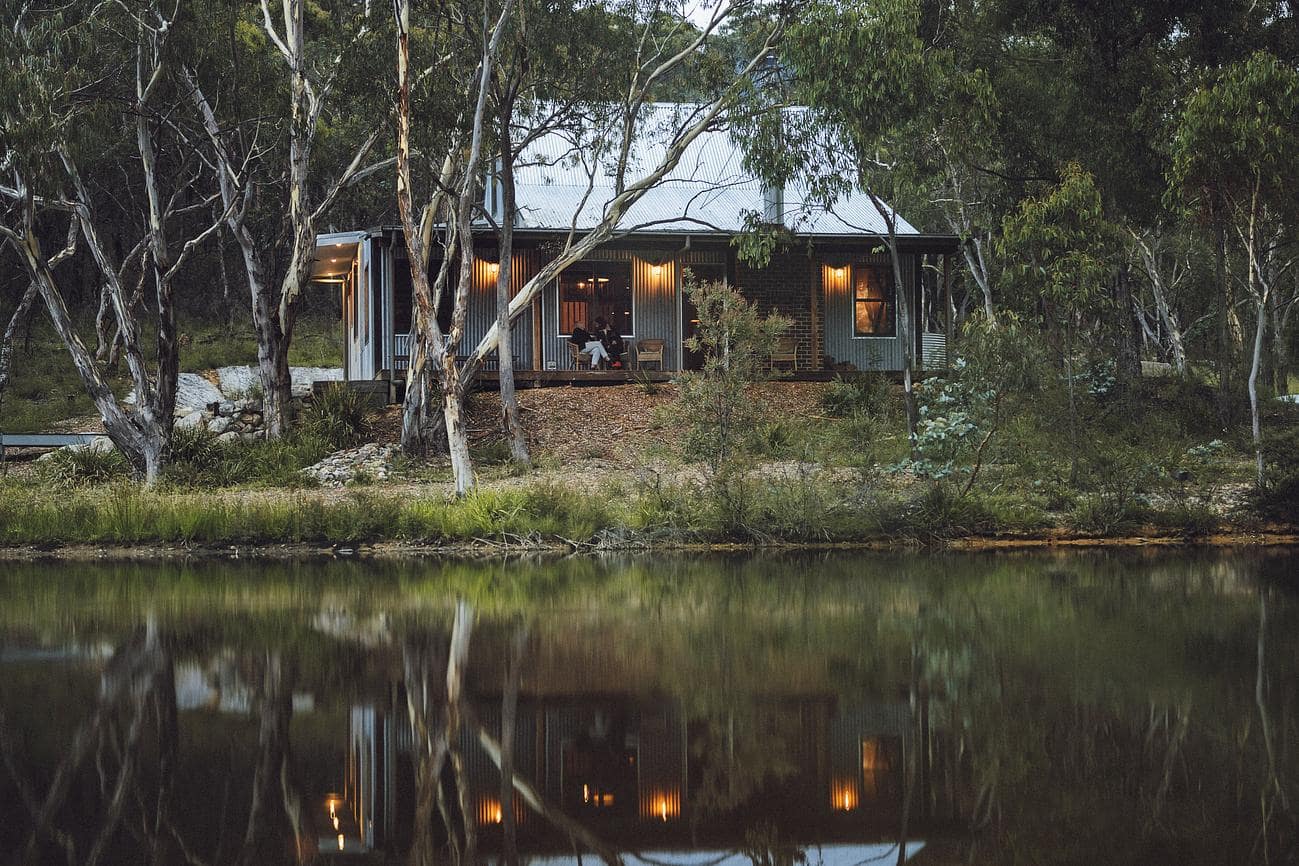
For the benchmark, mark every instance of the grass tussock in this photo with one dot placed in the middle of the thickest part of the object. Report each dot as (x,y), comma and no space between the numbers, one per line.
(125,514)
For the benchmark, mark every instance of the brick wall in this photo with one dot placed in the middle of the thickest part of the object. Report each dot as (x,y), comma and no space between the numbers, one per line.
(784,285)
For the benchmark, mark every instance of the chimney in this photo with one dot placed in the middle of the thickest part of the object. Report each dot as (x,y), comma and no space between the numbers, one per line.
(773,204)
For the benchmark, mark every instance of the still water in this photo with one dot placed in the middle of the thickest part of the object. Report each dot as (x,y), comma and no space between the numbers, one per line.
(839,710)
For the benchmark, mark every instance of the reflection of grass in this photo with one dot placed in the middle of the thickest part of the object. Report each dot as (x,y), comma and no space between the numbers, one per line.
(45,388)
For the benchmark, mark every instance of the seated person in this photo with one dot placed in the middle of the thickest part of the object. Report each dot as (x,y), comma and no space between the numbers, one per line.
(611,340)
(585,342)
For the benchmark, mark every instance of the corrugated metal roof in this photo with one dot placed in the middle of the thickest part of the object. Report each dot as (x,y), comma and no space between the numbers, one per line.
(708,191)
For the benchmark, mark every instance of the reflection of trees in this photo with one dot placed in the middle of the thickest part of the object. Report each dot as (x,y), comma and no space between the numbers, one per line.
(112,794)
(276,800)
(437,738)
(129,747)
(1100,710)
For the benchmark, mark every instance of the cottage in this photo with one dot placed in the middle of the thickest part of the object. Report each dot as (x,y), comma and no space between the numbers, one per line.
(833,278)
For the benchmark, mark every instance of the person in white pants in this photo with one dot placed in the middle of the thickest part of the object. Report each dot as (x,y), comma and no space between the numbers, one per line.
(589,344)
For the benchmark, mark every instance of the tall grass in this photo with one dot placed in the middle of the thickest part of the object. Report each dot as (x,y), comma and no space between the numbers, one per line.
(127,514)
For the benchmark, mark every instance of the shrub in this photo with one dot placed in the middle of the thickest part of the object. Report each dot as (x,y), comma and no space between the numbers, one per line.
(1279,500)
(81,466)
(735,340)
(858,393)
(336,415)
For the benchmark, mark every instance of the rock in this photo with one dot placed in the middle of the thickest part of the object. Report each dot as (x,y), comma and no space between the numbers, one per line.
(371,460)
(98,445)
(237,381)
(218,424)
(304,377)
(1156,369)
(228,436)
(193,390)
(191,421)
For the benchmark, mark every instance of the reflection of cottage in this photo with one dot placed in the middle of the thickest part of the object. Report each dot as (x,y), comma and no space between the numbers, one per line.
(637,771)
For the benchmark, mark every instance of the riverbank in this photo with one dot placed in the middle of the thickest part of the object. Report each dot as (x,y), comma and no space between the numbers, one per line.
(812,510)
(823,466)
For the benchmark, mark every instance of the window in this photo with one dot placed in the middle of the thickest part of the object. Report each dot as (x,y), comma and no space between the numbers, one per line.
(588,290)
(873,302)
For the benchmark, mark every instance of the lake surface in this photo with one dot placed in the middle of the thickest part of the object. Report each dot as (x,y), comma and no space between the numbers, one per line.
(1080,708)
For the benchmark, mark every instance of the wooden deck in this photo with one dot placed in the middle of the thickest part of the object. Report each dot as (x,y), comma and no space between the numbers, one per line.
(546,378)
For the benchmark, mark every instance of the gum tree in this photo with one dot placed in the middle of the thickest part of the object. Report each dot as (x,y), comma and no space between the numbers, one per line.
(1059,250)
(79,82)
(1236,147)
(285,134)
(855,124)
(604,136)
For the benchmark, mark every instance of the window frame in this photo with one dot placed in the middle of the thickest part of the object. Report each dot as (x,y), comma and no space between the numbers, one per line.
(891,297)
(593,264)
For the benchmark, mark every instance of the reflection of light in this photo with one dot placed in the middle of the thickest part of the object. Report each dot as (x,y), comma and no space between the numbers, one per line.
(489,811)
(340,841)
(843,795)
(335,817)
(586,793)
(663,805)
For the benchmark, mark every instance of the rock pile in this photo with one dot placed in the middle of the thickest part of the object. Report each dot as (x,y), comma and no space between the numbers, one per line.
(230,409)
(228,419)
(372,461)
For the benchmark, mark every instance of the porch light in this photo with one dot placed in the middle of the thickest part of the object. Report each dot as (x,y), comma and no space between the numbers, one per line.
(494,267)
(657,270)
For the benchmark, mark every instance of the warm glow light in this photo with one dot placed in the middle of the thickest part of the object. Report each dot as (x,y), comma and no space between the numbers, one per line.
(586,793)
(340,841)
(494,267)
(657,270)
(660,805)
(335,822)
(489,812)
(843,795)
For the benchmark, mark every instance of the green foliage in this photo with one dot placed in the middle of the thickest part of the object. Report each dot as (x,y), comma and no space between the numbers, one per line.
(1236,139)
(849,395)
(80,466)
(199,460)
(337,416)
(1061,245)
(736,341)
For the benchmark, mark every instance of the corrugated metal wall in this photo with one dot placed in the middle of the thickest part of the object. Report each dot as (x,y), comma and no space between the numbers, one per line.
(482,304)
(654,293)
(864,353)
(656,301)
